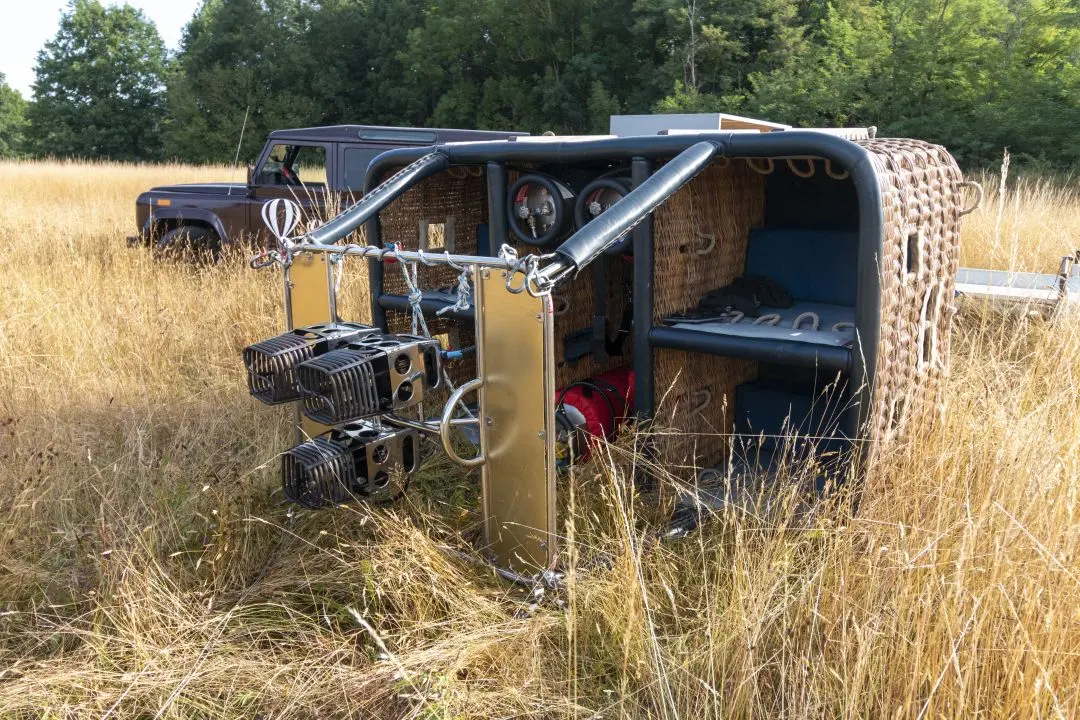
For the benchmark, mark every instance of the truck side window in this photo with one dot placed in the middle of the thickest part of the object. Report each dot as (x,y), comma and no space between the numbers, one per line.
(356,165)
(293,165)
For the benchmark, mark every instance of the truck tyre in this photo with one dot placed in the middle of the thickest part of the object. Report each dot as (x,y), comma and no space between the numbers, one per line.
(189,243)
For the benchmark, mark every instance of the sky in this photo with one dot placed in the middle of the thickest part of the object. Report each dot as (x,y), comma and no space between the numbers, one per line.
(29,24)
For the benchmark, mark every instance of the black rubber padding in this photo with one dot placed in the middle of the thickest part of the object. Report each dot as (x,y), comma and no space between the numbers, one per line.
(619,185)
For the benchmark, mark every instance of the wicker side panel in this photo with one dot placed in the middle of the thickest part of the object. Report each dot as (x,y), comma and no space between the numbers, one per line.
(718,208)
(921,203)
(696,406)
(458,193)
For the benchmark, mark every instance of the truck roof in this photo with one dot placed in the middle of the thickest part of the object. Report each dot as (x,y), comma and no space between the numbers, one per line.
(396,136)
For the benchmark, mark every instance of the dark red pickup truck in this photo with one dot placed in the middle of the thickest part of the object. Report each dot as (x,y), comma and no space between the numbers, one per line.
(305,164)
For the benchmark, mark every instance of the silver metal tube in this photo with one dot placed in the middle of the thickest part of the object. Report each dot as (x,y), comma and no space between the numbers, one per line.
(447,423)
(431,427)
(380,253)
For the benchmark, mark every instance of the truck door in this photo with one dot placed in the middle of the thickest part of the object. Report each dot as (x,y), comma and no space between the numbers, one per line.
(353,161)
(293,170)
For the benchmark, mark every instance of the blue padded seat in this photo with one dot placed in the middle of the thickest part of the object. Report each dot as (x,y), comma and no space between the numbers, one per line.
(764,409)
(814,265)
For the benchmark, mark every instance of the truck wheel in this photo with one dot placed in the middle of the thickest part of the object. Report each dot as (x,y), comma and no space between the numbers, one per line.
(189,243)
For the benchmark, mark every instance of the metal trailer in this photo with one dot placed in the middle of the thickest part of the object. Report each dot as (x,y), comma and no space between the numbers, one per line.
(1037,291)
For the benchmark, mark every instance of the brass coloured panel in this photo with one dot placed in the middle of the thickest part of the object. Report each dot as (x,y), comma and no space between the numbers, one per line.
(514,334)
(308,291)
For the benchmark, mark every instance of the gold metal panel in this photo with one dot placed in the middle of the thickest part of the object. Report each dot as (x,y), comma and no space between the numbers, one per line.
(308,290)
(515,354)
(309,301)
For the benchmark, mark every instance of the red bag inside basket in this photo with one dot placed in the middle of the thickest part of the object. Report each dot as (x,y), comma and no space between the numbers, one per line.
(593,407)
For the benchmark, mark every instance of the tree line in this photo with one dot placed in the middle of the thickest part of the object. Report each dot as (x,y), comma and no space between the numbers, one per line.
(975,75)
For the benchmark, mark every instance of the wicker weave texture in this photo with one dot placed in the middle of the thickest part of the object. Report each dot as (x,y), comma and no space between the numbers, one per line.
(921,206)
(701,235)
(696,406)
(458,193)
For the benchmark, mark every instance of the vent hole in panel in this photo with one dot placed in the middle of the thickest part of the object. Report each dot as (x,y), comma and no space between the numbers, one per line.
(912,256)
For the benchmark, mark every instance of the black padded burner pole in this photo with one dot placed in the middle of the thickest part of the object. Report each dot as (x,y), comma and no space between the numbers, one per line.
(783,352)
(366,212)
(644,382)
(496,197)
(378,198)
(591,241)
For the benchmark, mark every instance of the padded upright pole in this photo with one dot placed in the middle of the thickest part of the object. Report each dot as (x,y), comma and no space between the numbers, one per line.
(644,267)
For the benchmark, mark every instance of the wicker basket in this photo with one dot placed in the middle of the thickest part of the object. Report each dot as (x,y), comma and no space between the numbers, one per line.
(921,207)
(458,193)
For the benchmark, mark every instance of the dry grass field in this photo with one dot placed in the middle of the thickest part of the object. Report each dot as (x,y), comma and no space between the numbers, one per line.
(149,568)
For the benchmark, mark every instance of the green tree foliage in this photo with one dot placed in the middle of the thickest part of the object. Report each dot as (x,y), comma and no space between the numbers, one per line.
(835,80)
(711,48)
(553,66)
(12,120)
(357,61)
(286,63)
(98,92)
(976,75)
(238,57)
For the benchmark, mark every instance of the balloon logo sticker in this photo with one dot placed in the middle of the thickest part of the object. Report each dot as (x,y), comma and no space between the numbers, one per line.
(281,216)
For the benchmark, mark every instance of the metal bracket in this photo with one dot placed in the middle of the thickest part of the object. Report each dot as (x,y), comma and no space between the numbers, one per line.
(515,359)
(309,300)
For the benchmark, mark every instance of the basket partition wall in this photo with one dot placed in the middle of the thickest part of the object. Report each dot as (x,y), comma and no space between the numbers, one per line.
(863,235)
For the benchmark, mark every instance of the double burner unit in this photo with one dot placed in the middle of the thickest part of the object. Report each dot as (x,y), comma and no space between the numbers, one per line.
(565,262)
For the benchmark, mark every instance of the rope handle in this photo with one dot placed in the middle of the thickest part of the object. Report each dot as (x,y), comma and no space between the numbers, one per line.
(771,320)
(710,238)
(842,175)
(812,316)
(769,166)
(802,173)
(704,393)
(979,194)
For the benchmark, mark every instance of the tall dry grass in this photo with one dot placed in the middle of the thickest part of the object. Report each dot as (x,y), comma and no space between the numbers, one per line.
(1024,224)
(148,567)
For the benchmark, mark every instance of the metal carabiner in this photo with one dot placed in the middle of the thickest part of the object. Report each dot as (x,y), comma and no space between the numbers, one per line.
(264,260)
(510,288)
